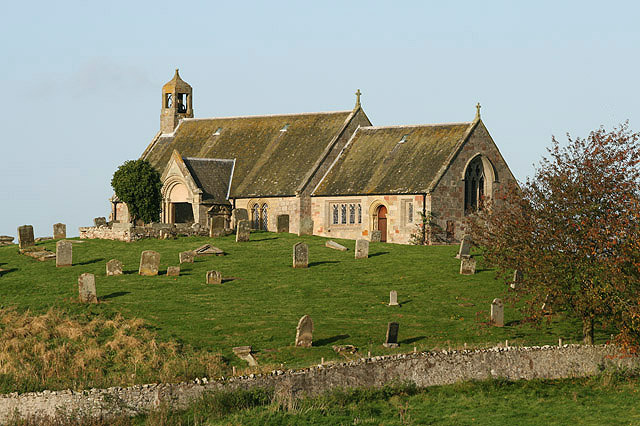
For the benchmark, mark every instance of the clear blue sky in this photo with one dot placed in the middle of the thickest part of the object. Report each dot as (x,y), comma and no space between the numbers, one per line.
(82,80)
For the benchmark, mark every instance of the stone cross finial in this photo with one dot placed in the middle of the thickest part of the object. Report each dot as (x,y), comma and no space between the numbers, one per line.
(478,111)
(358,93)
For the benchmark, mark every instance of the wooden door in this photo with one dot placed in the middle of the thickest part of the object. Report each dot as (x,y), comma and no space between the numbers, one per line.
(382,223)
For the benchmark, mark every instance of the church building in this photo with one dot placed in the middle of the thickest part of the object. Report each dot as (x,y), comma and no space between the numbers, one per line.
(333,173)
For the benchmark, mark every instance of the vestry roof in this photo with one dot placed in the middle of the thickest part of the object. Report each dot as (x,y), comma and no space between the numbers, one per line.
(273,153)
(213,176)
(393,160)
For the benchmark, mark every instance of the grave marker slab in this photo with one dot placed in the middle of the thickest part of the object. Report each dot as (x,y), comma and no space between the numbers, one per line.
(218,223)
(64,253)
(114,267)
(243,231)
(282,223)
(465,247)
(173,271)
(467,266)
(300,255)
(187,256)
(362,249)
(333,245)
(244,353)
(99,221)
(391,341)
(87,288)
(306,226)
(25,236)
(304,332)
(214,277)
(497,313)
(517,279)
(237,215)
(376,236)
(59,231)
(207,250)
(393,298)
(149,263)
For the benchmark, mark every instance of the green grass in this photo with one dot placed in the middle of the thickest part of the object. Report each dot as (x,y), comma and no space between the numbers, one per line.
(263,297)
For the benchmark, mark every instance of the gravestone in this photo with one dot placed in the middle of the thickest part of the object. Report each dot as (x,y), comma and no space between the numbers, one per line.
(465,247)
(243,231)
(208,249)
(391,340)
(214,277)
(196,227)
(99,221)
(335,246)
(173,271)
(25,236)
(87,288)
(64,253)
(376,236)
(467,266)
(114,267)
(304,332)
(393,298)
(244,353)
(237,215)
(59,231)
(497,313)
(282,223)
(362,249)
(306,226)
(187,256)
(6,240)
(149,263)
(300,255)
(218,224)
(517,279)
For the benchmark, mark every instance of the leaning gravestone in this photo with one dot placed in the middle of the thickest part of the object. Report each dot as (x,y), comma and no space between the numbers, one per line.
(114,267)
(304,332)
(362,249)
(25,236)
(391,340)
(173,271)
(517,279)
(64,253)
(282,223)
(244,353)
(149,263)
(306,226)
(214,277)
(59,231)
(243,231)
(335,246)
(467,266)
(187,256)
(393,298)
(497,313)
(87,288)
(465,247)
(300,255)
(99,221)
(376,236)
(237,215)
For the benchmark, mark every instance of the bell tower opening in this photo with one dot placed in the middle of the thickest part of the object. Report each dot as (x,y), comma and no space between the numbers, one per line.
(176,103)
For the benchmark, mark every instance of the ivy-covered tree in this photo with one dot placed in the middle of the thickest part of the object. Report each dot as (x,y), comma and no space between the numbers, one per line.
(574,231)
(138,184)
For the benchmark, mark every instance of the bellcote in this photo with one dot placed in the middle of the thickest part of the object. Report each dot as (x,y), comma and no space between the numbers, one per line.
(176,103)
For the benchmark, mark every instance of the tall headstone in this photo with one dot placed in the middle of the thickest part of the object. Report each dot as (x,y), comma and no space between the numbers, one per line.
(114,267)
(362,249)
(149,263)
(332,244)
(304,332)
(59,231)
(282,223)
(467,266)
(497,313)
(393,298)
(25,236)
(517,279)
(306,226)
(218,223)
(99,221)
(376,236)
(187,256)
(237,215)
(243,231)
(64,253)
(214,277)
(300,255)
(391,340)
(87,288)
(465,247)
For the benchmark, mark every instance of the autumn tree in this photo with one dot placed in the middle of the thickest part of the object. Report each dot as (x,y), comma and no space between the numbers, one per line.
(574,231)
(138,184)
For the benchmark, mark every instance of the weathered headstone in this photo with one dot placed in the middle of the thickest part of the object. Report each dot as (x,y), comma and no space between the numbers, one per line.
(114,267)
(149,263)
(214,277)
(376,236)
(173,271)
(467,266)
(282,223)
(300,255)
(6,240)
(237,215)
(391,340)
(362,249)
(87,288)
(187,256)
(59,231)
(465,247)
(218,223)
(497,313)
(517,279)
(244,353)
(335,246)
(99,221)
(64,253)
(304,332)
(393,298)
(306,226)
(25,236)
(207,250)
(243,231)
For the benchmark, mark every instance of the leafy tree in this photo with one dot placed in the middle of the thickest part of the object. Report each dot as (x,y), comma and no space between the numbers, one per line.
(138,184)
(574,231)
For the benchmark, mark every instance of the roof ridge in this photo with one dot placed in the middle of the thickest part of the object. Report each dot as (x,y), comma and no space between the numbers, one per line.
(208,159)
(269,115)
(400,126)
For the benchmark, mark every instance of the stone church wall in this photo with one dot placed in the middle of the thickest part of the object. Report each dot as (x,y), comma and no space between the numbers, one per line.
(275,206)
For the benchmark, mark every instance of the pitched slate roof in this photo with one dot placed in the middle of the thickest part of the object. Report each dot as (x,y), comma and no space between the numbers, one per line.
(213,176)
(394,159)
(269,162)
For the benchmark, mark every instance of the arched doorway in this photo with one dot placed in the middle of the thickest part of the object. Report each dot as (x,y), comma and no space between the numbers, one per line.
(180,207)
(382,222)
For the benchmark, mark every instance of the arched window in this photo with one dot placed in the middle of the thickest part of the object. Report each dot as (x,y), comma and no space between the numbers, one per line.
(474,179)
(343,214)
(352,213)
(335,214)
(359,213)
(256,216)
(264,217)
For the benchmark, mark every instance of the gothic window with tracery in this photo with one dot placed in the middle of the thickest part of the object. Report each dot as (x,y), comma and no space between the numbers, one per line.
(264,217)
(256,216)
(335,214)
(343,214)
(474,179)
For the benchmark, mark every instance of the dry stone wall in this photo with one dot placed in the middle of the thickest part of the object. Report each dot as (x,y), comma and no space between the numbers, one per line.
(423,369)
(120,232)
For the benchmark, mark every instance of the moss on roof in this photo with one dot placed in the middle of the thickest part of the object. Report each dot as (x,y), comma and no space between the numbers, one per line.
(213,176)
(392,160)
(269,162)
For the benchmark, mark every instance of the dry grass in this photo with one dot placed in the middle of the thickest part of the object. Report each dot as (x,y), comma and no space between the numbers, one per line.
(52,351)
